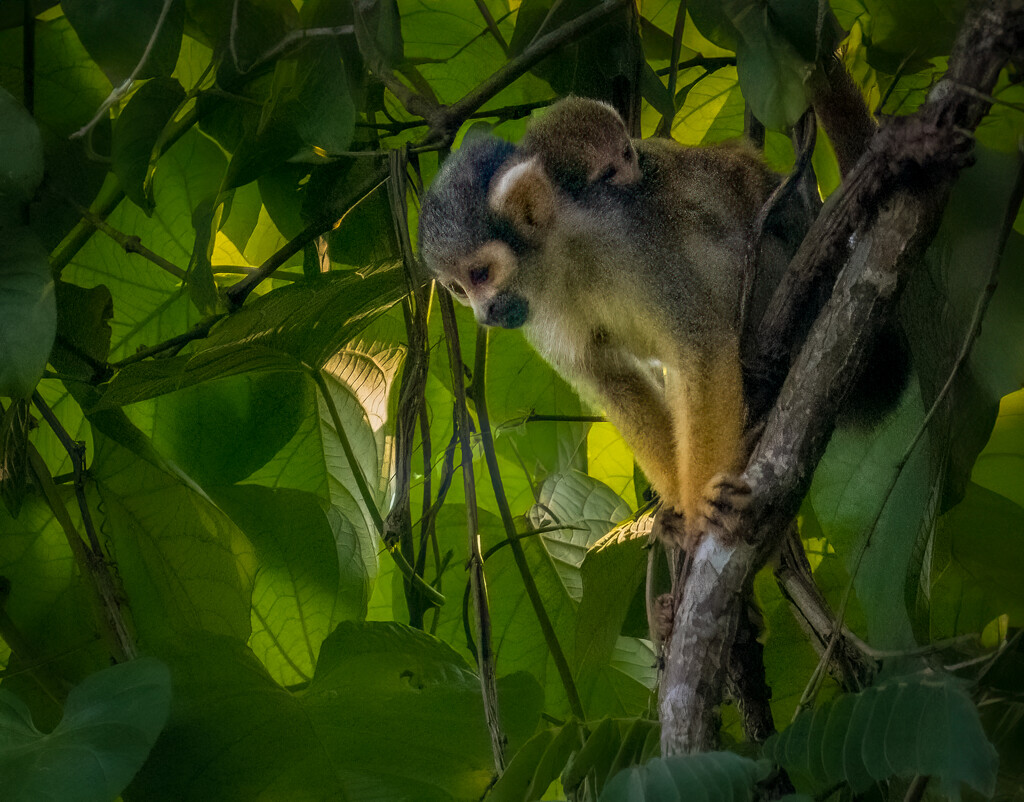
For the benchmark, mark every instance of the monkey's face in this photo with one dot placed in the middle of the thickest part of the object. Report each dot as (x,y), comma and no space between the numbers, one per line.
(472,244)
(611,158)
(485,280)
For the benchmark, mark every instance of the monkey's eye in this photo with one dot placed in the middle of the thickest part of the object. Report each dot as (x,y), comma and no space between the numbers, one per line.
(480,274)
(627,153)
(456,289)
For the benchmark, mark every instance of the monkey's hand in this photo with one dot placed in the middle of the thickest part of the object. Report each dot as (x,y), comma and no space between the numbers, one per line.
(725,497)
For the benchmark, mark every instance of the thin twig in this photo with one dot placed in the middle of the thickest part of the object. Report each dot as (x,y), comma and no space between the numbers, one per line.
(122,89)
(237,293)
(197,332)
(478,585)
(538,50)
(105,593)
(492,26)
(76,451)
(130,242)
(479,396)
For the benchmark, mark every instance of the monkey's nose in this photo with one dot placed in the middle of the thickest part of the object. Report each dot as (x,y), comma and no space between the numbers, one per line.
(508,310)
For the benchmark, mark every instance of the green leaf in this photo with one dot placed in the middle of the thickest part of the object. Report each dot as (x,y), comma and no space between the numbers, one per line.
(612,745)
(849,485)
(939,306)
(898,29)
(117,33)
(28,313)
(111,722)
(586,504)
(337,738)
(136,131)
(309,107)
(184,564)
(713,20)
(222,431)
(611,573)
(378,28)
(306,582)
(21,156)
(148,305)
(537,764)
(83,329)
(976,562)
(712,775)
(771,73)
(305,323)
(1000,467)
(923,724)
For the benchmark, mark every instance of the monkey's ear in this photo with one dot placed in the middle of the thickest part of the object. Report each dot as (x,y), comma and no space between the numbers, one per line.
(525,196)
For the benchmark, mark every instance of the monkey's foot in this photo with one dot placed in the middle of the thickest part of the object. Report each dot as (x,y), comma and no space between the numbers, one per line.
(663,618)
(726,496)
(670,528)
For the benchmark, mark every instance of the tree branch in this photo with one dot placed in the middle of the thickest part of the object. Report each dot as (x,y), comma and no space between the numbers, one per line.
(876,229)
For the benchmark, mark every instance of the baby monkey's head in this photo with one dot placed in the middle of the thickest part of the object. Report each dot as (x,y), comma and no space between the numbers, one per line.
(582,142)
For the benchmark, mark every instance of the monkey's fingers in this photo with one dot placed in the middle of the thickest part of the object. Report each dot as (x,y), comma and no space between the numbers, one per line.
(726,496)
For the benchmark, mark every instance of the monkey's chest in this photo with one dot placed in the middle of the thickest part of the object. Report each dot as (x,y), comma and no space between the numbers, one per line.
(572,336)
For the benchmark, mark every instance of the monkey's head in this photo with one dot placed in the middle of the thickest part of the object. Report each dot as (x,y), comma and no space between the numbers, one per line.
(476,223)
(582,142)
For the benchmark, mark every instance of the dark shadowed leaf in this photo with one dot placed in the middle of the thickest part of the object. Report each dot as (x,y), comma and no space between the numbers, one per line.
(924,724)
(117,34)
(28,313)
(135,133)
(110,723)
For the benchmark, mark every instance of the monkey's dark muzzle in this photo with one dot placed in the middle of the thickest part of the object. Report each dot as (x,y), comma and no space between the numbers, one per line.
(508,310)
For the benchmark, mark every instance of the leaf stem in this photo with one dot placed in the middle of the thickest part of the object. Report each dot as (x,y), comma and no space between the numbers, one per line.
(477,579)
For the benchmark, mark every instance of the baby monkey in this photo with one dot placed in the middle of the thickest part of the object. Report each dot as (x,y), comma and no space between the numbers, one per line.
(623,262)
(582,142)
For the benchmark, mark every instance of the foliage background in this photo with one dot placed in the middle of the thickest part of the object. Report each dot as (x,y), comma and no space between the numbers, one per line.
(214,505)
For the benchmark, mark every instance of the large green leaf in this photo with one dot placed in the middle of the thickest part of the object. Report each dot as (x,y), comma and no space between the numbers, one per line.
(848,489)
(577,753)
(392,713)
(586,505)
(67,88)
(148,305)
(111,722)
(201,427)
(136,131)
(184,565)
(21,156)
(305,323)
(28,313)
(117,34)
(924,724)
(976,564)
(309,576)
(711,775)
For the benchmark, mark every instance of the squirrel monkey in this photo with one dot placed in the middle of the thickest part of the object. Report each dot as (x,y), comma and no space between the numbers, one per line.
(622,262)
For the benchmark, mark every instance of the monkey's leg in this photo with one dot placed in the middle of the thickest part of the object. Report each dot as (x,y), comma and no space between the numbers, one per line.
(706,391)
(635,404)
